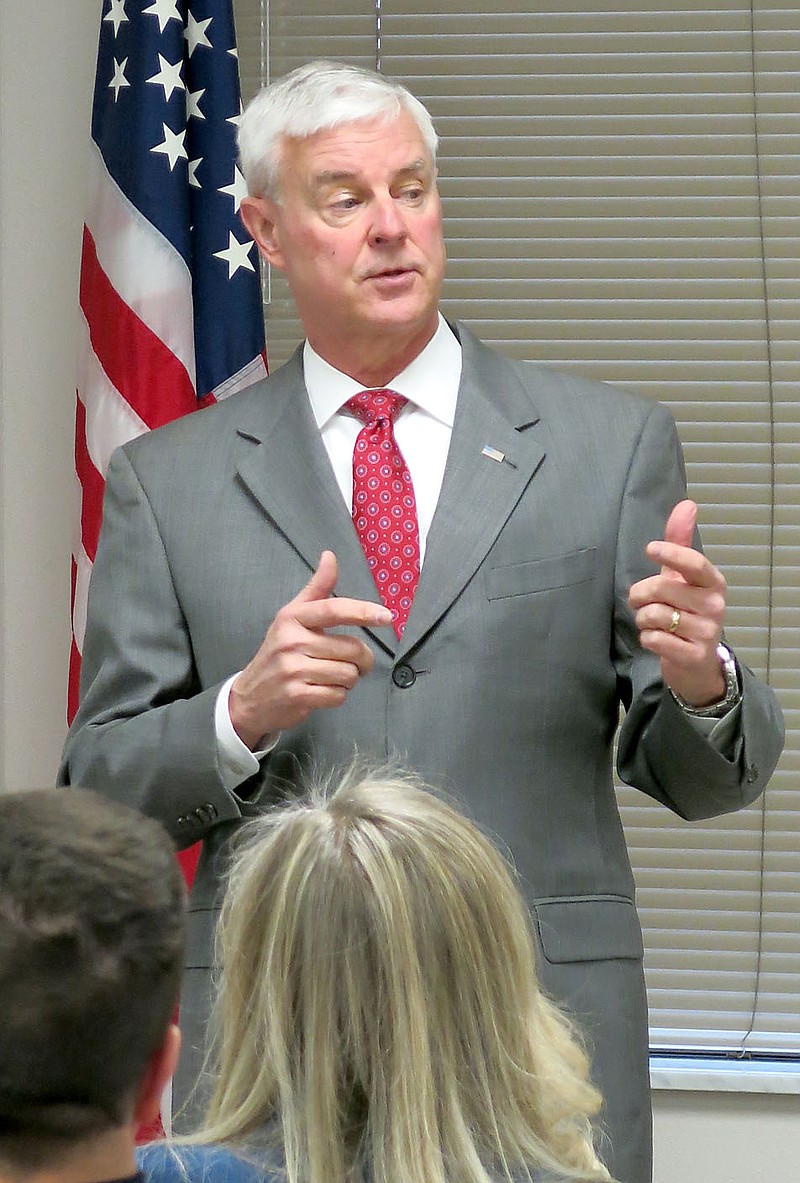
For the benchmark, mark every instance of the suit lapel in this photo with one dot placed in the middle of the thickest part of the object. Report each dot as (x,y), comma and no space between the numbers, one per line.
(284,465)
(479,491)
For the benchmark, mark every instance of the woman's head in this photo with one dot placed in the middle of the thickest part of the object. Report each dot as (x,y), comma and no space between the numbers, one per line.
(379,1000)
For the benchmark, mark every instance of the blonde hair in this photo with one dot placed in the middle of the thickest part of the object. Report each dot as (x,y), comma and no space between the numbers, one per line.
(379,1006)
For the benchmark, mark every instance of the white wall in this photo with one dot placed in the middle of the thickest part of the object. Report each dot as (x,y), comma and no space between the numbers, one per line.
(726,1138)
(47,54)
(47,51)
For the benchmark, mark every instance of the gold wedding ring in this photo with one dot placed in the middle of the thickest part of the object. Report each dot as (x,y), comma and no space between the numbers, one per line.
(676,619)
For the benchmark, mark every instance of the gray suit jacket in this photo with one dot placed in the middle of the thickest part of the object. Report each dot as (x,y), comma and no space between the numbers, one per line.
(505,688)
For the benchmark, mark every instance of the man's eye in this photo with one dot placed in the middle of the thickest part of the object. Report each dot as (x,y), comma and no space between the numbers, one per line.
(344,203)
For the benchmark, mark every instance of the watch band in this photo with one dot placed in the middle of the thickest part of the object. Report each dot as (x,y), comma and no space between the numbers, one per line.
(733,690)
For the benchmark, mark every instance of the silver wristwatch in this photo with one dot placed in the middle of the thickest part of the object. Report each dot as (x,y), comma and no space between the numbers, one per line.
(733,691)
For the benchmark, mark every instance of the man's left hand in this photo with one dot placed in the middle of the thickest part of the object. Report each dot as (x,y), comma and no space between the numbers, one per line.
(679,612)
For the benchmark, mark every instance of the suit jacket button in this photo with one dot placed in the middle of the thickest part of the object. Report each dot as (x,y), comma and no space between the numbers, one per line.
(752,774)
(403,676)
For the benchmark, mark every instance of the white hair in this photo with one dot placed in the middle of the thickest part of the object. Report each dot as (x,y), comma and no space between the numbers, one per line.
(317,97)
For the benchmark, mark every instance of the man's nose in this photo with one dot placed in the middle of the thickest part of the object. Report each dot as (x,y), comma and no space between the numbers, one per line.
(388,224)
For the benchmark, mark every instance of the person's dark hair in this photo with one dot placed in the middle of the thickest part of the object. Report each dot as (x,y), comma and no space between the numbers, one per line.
(92,917)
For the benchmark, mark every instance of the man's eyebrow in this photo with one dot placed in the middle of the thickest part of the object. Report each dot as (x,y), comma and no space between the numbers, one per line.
(336,176)
(333,176)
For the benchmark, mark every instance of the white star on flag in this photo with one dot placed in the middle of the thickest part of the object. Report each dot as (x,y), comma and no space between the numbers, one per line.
(116,14)
(168,76)
(172,146)
(237,189)
(236,119)
(193,167)
(165,10)
(195,33)
(119,80)
(236,255)
(193,98)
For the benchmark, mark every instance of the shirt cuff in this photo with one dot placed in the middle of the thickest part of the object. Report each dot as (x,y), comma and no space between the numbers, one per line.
(236,762)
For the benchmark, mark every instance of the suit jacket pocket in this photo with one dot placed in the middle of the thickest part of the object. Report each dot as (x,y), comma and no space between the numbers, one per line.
(522,579)
(588,928)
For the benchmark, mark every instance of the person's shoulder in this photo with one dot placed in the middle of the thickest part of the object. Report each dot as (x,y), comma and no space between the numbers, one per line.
(564,388)
(162,1162)
(562,392)
(208,424)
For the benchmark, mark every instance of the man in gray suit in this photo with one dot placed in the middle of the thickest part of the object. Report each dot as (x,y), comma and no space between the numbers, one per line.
(222,654)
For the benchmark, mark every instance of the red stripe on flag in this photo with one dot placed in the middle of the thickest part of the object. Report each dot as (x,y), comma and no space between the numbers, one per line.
(146,373)
(188,861)
(73,685)
(92,485)
(153,1132)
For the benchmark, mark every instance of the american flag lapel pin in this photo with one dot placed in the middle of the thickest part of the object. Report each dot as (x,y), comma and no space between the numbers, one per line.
(496,454)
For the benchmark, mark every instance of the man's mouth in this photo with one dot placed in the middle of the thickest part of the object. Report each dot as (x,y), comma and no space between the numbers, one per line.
(390,272)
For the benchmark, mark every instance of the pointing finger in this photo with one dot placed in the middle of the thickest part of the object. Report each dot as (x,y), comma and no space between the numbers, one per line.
(337,611)
(677,563)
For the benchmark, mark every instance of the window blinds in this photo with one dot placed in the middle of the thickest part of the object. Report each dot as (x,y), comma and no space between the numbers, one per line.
(621,196)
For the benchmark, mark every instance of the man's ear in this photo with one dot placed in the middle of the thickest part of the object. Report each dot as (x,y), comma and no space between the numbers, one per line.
(159,1072)
(260,216)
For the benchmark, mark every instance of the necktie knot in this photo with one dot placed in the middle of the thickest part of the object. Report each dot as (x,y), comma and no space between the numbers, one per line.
(370,406)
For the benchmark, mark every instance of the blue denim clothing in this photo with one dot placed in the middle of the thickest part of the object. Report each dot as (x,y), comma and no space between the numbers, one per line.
(160,1162)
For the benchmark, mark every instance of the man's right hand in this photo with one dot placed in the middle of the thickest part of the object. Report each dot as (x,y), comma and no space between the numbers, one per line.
(299,667)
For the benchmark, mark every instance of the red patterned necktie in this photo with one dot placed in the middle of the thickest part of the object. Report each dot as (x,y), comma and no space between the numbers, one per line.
(384,506)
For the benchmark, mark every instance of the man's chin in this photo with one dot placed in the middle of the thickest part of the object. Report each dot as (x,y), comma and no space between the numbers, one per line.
(399,314)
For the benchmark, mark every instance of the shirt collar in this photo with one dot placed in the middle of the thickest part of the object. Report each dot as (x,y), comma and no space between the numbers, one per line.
(430,381)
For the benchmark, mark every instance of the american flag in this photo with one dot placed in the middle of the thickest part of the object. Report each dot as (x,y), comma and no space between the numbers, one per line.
(170,301)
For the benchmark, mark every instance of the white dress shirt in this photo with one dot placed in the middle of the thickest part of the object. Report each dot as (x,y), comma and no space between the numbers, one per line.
(422,430)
